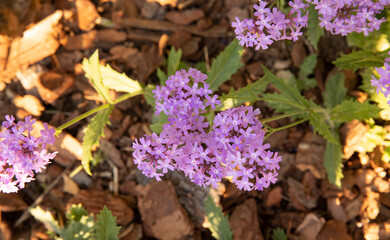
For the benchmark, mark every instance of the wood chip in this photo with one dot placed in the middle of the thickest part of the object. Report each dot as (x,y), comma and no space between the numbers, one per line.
(184,17)
(53,85)
(29,103)
(164,218)
(11,202)
(81,41)
(299,199)
(310,227)
(244,222)
(26,50)
(351,134)
(86,14)
(274,197)
(94,201)
(111,35)
(334,230)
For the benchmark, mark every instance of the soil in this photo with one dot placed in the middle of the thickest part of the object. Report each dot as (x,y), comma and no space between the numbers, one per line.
(42,44)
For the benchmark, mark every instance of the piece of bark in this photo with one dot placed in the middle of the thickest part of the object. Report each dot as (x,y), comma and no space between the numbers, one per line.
(86,14)
(353,207)
(164,218)
(111,35)
(310,155)
(94,201)
(244,222)
(299,199)
(11,202)
(29,103)
(334,230)
(336,209)
(215,31)
(184,41)
(351,135)
(53,85)
(298,53)
(288,220)
(310,227)
(274,197)
(81,41)
(184,17)
(28,49)
(377,231)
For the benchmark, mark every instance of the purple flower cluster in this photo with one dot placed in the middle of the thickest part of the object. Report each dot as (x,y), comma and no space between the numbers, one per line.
(338,17)
(347,16)
(271,25)
(21,154)
(233,147)
(382,84)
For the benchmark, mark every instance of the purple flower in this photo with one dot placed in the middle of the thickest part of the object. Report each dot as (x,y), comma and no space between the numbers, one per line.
(21,154)
(269,26)
(382,83)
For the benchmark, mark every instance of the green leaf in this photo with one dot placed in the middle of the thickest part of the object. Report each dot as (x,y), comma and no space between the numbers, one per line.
(360,59)
(201,66)
(321,126)
(91,68)
(306,69)
(92,134)
(314,31)
(46,218)
(118,81)
(75,213)
(349,110)
(106,228)
(246,94)
(374,136)
(334,161)
(158,122)
(335,91)
(173,61)
(149,95)
(225,65)
(162,76)
(79,224)
(219,224)
(278,234)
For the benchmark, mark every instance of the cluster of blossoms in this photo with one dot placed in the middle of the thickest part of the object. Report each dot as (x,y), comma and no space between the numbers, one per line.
(382,84)
(271,25)
(347,16)
(232,147)
(338,17)
(21,154)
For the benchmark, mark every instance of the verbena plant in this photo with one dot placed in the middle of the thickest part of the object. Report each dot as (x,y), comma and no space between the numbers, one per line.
(210,137)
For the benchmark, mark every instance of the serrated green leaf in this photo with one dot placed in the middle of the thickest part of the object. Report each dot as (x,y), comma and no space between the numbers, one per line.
(289,97)
(306,69)
(314,31)
(360,59)
(219,224)
(162,76)
(278,234)
(246,94)
(158,122)
(335,91)
(92,134)
(75,213)
(118,81)
(334,161)
(106,228)
(321,126)
(91,68)
(46,218)
(149,95)
(225,65)
(82,230)
(173,61)
(349,110)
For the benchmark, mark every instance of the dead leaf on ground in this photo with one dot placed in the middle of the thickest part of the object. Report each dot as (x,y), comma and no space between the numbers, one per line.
(244,222)
(11,202)
(184,17)
(299,199)
(86,14)
(310,227)
(165,218)
(94,201)
(334,230)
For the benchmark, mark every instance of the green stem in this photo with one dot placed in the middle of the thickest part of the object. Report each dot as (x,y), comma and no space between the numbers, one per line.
(97,109)
(283,116)
(272,130)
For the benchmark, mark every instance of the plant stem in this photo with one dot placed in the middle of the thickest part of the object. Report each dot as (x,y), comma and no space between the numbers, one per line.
(283,116)
(272,130)
(97,109)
